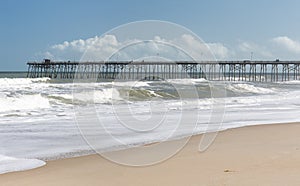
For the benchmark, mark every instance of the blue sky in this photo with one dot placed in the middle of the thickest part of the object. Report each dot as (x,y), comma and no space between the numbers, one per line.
(268,28)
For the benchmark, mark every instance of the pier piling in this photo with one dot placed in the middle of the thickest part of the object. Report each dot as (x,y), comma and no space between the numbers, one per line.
(262,71)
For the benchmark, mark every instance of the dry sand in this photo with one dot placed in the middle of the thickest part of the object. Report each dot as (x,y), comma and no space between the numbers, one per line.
(256,155)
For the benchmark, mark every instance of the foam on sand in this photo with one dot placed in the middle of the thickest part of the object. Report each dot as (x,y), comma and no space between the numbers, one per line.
(10,164)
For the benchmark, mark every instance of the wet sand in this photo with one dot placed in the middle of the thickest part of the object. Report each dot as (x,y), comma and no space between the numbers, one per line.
(255,155)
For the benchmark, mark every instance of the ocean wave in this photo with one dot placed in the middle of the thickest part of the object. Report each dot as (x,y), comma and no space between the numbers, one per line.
(23,102)
(22,81)
(105,96)
(248,88)
(289,82)
(187,81)
(131,83)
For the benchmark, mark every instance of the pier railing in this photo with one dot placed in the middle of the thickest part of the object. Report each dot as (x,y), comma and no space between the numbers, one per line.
(263,71)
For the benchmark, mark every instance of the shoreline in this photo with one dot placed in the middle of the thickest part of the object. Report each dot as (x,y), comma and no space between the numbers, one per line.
(266,154)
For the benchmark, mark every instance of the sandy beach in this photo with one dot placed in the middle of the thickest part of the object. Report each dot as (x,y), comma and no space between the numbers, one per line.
(255,155)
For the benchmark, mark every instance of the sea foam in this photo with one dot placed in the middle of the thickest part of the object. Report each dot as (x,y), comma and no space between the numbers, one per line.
(11,164)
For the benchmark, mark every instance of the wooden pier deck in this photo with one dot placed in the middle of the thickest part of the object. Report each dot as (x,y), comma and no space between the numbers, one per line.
(263,71)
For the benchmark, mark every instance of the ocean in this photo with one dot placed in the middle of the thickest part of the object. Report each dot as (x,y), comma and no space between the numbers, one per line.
(44,119)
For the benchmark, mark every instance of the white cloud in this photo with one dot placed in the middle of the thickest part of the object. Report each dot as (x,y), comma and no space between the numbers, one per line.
(201,50)
(43,55)
(219,50)
(245,49)
(287,43)
(48,55)
(108,41)
(101,48)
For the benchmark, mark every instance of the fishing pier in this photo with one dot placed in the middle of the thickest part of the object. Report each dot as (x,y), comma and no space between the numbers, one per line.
(263,71)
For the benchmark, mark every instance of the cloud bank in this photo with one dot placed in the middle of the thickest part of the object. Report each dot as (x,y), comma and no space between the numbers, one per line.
(102,48)
(288,44)
(108,47)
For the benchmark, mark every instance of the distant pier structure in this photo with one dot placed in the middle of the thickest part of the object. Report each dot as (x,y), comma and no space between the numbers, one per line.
(263,71)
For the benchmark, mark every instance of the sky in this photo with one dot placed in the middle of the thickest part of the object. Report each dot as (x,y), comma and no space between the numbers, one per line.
(32,30)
